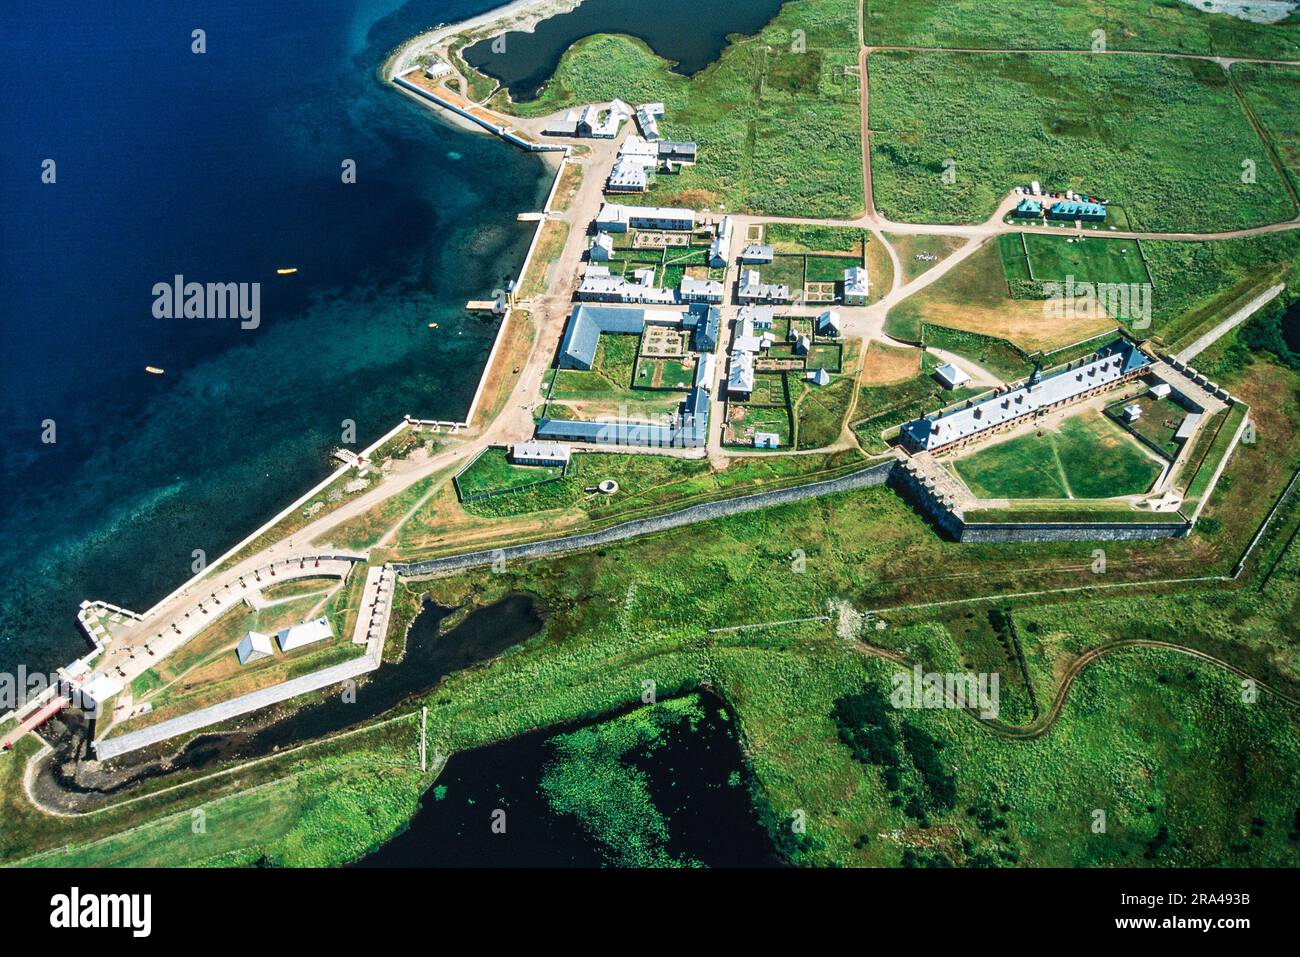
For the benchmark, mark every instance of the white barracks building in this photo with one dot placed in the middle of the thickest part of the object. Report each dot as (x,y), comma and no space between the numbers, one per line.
(1108,367)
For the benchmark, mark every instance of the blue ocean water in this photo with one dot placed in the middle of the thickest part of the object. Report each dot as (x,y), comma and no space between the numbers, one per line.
(219,167)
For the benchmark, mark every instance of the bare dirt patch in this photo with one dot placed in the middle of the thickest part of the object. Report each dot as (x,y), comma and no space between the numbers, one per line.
(884,365)
(1022,322)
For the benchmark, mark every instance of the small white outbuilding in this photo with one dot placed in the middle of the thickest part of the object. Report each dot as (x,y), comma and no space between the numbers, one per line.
(952,375)
(254,646)
(309,632)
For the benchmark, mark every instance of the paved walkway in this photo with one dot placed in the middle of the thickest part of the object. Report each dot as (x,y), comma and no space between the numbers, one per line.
(1232,322)
(245,704)
(153,639)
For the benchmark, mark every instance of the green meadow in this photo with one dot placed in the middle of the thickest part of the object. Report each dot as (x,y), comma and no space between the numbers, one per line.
(1273,94)
(779,131)
(1128,129)
(1164,25)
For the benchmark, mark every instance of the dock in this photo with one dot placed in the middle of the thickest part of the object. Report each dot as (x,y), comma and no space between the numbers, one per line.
(469,110)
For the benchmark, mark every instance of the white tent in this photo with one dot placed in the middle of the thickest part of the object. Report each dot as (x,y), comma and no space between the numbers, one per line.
(307,633)
(253,646)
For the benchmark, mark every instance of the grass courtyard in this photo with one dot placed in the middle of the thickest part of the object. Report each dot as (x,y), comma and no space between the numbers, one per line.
(618,383)
(1157,425)
(1088,456)
(493,473)
(1036,257)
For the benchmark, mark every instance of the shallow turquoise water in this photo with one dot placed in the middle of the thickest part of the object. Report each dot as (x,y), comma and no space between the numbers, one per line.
(221,167)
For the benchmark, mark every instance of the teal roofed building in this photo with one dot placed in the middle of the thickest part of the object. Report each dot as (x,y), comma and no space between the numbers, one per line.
(1072,209)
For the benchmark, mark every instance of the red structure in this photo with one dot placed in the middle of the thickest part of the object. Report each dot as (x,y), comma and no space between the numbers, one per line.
(35,721)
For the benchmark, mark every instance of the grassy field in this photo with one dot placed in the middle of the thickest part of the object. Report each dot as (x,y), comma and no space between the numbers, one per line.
(798,238)
(882,408)
(820,412)
(885,365)
(1167,26)
(635,474)
(1201,284)
(1195,286)
(992,353)
(1273,94)
(325,805)
(1088,456)
(974,297)
(493,472)
(910,247)
(1163,743)
(648,484)
(778,131)
(1072,122)
(1054,258)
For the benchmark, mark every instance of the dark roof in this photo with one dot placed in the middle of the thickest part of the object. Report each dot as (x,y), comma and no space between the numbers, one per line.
(708,326)
(1134,358)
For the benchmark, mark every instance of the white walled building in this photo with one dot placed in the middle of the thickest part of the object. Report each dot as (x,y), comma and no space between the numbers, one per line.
(720,248)
(614,218)
(308,633)
(856,286)
(540,453)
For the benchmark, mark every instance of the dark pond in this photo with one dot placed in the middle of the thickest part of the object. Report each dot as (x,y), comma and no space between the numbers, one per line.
(1291,328)
(697,780)
(687,33)
(431,655)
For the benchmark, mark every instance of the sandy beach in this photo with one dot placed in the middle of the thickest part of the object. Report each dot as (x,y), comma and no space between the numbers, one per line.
(522,15)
